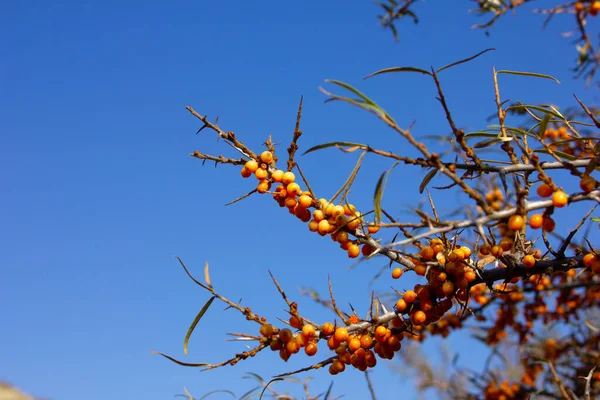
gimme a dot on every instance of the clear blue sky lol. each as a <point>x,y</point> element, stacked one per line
<point>99,192</point>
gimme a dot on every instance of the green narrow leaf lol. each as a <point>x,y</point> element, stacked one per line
<point>596,219</point>
<point>335,144</point>
<point>486,143</point>
<point>523,73</point>
<point>537,108</point>
<point>176,361</point>
<point>520,131</point>
<point>207,276</point>
<point>377,197</point>
<point>193,326</point>
<point>350,179</point>
<point>427,179</point>
<point>464,60</point>
<point>353,90</point>
<point>267,385</point>
<point>397,69</point>
<point>543,126</point>
<point>558,153</point>
<point>217,391</point>
<point>379,192</point>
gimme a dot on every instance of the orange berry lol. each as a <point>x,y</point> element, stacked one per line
<point>324,227</point>
<point>544,190</point>
<point>353,250</point>
<point>341,236</point>
<point>284,354</point>
<point>305,201</point>
<point>285,335</point>
<point>327,328</point>
<point>353,223</point>
<point>308,331</point>
<point>397,273</point>
<point>496,251</point>
<point>337,211</point>
<point>587,184</point>
<point>372,228</point>
<point>288,177</point>
<point>448,288</point>
<point>266,157</point>
<point>426,253</point>
<point>318,215</point>
<point>338,366</point>
<point>595,8</point>
<point>578,6</point>
<point>292,189</point>
<point>311,349</point>
<point>290,202</point>
<point>292,347</point>
<point>263,186</point>
<point>470,276</point>
<point>596,267</point>
<point>484,249</point>
<point>401,305</point>
<point>277,176</point>
<point>418,317</point>
<point>245,173</point>
<point>548,224</point>
<point>295,322</point>
<point>420,269</point>
<point>589,259</point>
<point>313,226</point>
<point>560,199</point>
<point>349,210</point>
<point>536,221</point>
<point>354,344</point>
<point>251,165</point>
<point>410,296</point>
<point>266,330</point>
<point>353,319</point>
<point>506,243</point>
<point>260,173</point>
<point>515,222</point>
<point>341,334</point>
<point>528,261</point>
<point>366,341</point>
<point>466,251</point>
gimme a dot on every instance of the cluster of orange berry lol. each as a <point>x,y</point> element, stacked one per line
<point>592,7</point>
<point>336,220</point>
<point>504,391</point>
<point>560,140</point>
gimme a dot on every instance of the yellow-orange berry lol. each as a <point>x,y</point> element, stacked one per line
<point>313,226</point>
<point>470,275</point>
<point>251,165</point>
<point>245,173</point>
<point>448,288</point>
<point>506,243</point>
<point>266,157</point>
<point>466,251</point>
<point>515,222</point>
<point>353,250</point>
<point>544,190</point>
<point>308,331</point>
<point>277,176</point>
<point>587,184</point>
<point>560,199</point>
<point>293,189</point>
<point>589,259</point>
<point>372,228</point>
<point>260,173</point>
<point>366,341</point>
<point>426,253</point>
<point>263,186</point>
<point>324,227</point>
<point>578,6</point>
<point>266,330</point>
<point>418,317</point>
<point>341,334</point>
<point>305,201</point>
<point>354,344</point>
<point>410,296</point>
<point>367,250</point>
<point>496,251</point>
<point>337,211</point>
<point>327,328</point>
<point>401,305</point>
<point>292,347</point>
<point>595,8</point>
<point>397,273</point>
<point>311,349</point>
<point>536,221</point>
<point>485,249</point>
<point>288,177</point>
<point>528,261</point>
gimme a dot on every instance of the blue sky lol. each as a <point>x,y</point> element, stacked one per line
<point>100,193</point>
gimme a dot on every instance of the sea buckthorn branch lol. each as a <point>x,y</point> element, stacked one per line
<point>293,145</point>
<point>458,133</point>
<point>498,215</point>
<point>218,160</point>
